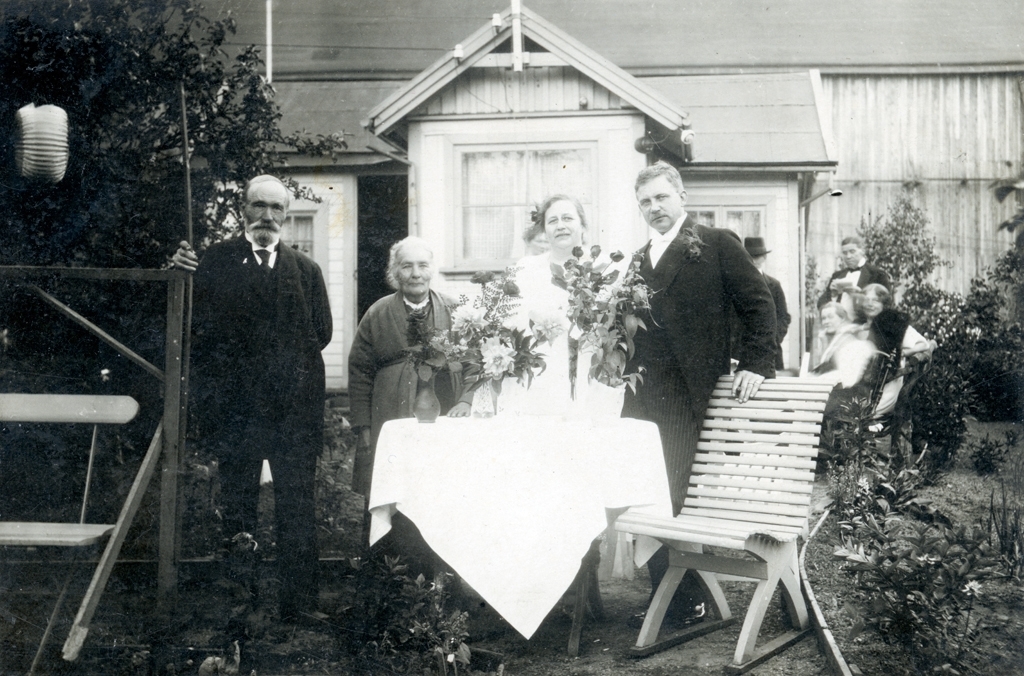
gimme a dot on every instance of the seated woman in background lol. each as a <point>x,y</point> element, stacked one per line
<point>889,330</point>
<point>837,332</point>
<point>867,366</point>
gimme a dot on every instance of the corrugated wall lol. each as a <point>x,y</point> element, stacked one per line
<point>944,138</point>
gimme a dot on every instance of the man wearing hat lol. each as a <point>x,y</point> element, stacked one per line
<point>757,250</point>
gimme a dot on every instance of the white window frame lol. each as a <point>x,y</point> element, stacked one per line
<point>458,150</point>
<point>721,203</point>
<point>312,214</point>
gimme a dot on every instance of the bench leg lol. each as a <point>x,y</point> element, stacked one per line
<point>778,557</point>
<point>659,606</point>
<point>793,597</point>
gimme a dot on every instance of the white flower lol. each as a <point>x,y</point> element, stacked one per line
<point>498,357</point>
<point>468,317</point>
<point>547,327</point>
<point>972,588</point>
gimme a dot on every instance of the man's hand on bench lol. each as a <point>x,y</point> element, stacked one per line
<point>745,385</point>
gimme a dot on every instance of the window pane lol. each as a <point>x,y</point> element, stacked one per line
<point>492,178</point>
<point>561,171</point>
<point>297,232</point>
<point>488,232</point>
<point>744,222</point>
<point>705,218</point>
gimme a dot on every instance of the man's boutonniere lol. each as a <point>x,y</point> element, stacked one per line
<point>692,244</point>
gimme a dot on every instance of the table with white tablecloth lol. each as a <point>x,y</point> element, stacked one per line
<point>512,503</point>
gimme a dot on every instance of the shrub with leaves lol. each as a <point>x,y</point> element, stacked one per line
<point>916,585</point>
<point>847,435</point>
<point>404,624</point>
<point>988,455</point>
<point>901,243</point>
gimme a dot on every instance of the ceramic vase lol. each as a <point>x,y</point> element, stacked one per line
<point>426,407</point>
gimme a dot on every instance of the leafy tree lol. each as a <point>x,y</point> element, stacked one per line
<point>900,243</point>
<point>116,67</point>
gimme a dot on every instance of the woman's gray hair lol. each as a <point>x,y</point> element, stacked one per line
<point>396,248</point>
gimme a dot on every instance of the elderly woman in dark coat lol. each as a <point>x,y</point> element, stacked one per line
<point>381,377</point>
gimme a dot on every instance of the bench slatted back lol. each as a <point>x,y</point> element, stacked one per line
<point>755,461</point>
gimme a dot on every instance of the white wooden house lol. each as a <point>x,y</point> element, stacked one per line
<point>480,143</point>
<point>922,96</point>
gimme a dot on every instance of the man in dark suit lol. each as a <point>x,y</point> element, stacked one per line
<point>261,319</point>
<point>856,273</point>
<point>698,276</point>
<point>759,254</point>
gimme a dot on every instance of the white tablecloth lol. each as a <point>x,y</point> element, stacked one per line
<point>513,503</point>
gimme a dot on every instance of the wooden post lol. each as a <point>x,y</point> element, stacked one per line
<point>167,571</point>
<point>517,36</point>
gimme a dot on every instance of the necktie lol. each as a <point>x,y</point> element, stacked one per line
<point>264,259</point>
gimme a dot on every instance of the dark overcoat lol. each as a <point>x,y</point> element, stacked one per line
<point>257,343</point>
<point>782,318</point>
<point>687,344</point>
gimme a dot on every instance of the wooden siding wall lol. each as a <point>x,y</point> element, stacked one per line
<point>482,91</point>
<point>944,138</point>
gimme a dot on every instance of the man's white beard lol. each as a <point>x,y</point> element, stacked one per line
<point>265,237</point>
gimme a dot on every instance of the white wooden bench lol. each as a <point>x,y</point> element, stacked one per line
<point>749,492</point>
<point>71,409</point>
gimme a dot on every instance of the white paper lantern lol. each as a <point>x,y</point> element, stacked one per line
<point>41,149</point>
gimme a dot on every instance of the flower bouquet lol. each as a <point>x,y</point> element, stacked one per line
<point>603,310</point>
<point>492,350</point>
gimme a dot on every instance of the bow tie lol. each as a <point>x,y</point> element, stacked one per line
<point>856,269</point>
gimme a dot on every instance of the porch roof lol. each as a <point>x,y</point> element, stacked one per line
<point>765,119</point>
<point>327,108</point>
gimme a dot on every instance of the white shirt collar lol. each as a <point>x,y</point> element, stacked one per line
<point>416,306</point>
<point>672,232</point>
<point>256,247</point>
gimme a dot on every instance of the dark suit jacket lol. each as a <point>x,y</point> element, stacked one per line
<point>258,337</point>
<point>693,306</point>
<point>869,274</point>
<point>782,317</point>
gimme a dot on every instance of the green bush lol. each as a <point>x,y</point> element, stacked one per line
<point>989,454</point>
<point>402,624</point>
<point>916,585</point>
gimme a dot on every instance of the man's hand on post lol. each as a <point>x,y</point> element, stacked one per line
<point>364,438</point>
<point>185,258</point>
<point>745,385</point>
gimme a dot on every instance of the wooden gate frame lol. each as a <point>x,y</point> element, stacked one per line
<point>174,415</point>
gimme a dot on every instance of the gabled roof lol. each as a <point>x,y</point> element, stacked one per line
<point>485,40</point>
<point>768,119</point>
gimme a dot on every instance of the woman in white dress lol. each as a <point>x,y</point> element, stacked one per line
<point>542,310</point>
